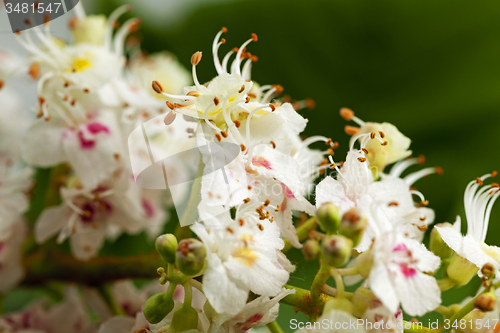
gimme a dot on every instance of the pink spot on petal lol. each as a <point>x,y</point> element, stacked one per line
<point>407,271</point>
<point>400,247</point>
<point>96,128</point>
<point>261,161</point>
<point>255,318</point>
<point>85,143</point>
<point>148,208</point>
<point>286,190</point>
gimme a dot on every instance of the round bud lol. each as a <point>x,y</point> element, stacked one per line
<point>362,299</point>
<point>338,304</point>
<point>485,302</point>
<point>336,250</point>
<point>191,257</point>
<point>166,246</point>
<point>185,318</point>
<point>328,218</point>
<point>311,249</point>
<point>437,244</point>
<point>353,225</point>
<point>364,263</point>
<point>461,270</point>
<point>488,270</point>
<point>158,307</point>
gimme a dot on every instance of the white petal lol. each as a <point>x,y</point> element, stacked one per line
<point>42,145</point>
<point>51,221</point>
<point>222,292</point>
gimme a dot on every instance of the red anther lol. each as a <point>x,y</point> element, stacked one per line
<point>439,170</point>
<point>347,114</point>
<point>224,29</point>
<point>254,37</point>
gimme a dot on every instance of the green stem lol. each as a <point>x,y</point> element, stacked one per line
<point>45,266</point>
<point>171,290</point>
<point>348,271</point>
<point>274,327</point>
<point>339,283</point>
<point>196,284</point>
<point>170,270</point>
<point>319,281</point>
<point>188,294</point>
<point>302,301</point>
<point>302,232</point>
<point>106,294</point>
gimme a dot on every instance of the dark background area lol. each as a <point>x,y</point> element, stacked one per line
<point>429,67</point>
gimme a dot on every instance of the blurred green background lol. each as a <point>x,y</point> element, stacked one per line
<point>430,67</point>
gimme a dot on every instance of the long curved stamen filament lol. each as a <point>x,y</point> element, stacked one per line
<point>122,33</point>
<point>113,17</point>
<point>334,165</point>
<point>402,165</point>
<point>237,62</point>
<point>268,94</point>
<point>492,198</point>
<point>247,67</point>
<point>226,60</point>
<point>412,178</point>
<point>215,48</point>
<point>418,194</point>
<point>49,44</point>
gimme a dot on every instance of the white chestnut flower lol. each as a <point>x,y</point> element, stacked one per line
<point>396,148</point>
<point>478,202</point>
<point>333,321</point>
<point>88,216</point>
<point>242,256</point>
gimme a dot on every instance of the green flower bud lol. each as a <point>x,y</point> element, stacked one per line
<point>158,307</point>
<point>461,270</point>
<point>364,263</point>
<point>437,244</point>
<point>328,218</point>
<point>191,257</point>
<point>341,304</point>
<point>336,250</point>
<point>485,302</point>
<point>362,299</point>
<point>311,249</point>
<point>353,225</point>
<point>185,318</point>
<point>166,246</point>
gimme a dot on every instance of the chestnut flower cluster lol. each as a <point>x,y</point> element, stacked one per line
<point>226,271</point>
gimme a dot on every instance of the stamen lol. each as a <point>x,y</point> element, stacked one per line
<point>274,144</point>
<point>413,177</point>
<point>215,49</point>
<point>216,101</point>
<point>195,60</point>
<point>235,67</point>
<point>169,118</point>
<point>351,130</point>
<point>34,70</point>
<point>237,123</point>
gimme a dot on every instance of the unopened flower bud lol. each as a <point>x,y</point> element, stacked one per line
<point>364,263</point>
<point>485,302</point>
<point>336,250</point>
<point>185,318</point>
<point>191,256</point>
<point>166,245</point>
<point>339,304</point>
<point>158,307</point>
<point>461,270</point>
<point>311,249</point>
<point>437,244</point>
<point>352,225</point>
<point>362,299</point>
<point>488,270</point>
<point>328,218</point>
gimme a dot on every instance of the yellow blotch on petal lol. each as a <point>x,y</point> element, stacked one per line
<point>245,256</point>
